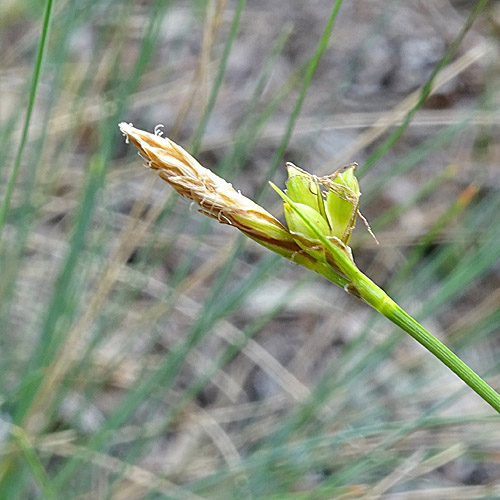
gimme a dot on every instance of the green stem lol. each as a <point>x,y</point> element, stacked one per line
<point>310,70</point>
<point>380,301</point>
<point>36,466</point>
<point>195,146</point>
<point>427,88</point>
<point>4,208</point>
<point>373,295</point>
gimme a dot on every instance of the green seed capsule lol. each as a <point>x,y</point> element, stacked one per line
<point>303,188</point>
<point>301,232</point>
<point>342,203</point>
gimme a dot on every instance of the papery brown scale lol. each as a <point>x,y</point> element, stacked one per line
<point>216,197</point>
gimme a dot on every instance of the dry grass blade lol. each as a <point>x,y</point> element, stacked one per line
<point>378,128</point>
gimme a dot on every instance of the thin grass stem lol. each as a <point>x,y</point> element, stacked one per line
<point>195,146</point>
<point>309,73</point>
<point>4,208</point>
<point>426,89</point>
<point>373,295</point>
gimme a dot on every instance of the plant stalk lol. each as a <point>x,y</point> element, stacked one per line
<point>380,301</point>
<point>361,286</point>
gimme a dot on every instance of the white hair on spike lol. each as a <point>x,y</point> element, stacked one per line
<point>147,161</point>
<point>126,135</point>
<point>223,219</point>
<point>158,130</point>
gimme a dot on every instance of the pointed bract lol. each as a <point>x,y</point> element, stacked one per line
<point>303,188</point>
<point>342,203</point>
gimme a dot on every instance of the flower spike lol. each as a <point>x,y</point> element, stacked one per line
<point>321,213</point>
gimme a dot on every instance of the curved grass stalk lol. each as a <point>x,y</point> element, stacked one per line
<point>361,286</point>
<point>322,249</point>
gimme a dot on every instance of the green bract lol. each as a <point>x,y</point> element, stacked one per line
<point>302,234</point>
<point>330,202</point>
<point>342,204</point>
<point>303,189</point>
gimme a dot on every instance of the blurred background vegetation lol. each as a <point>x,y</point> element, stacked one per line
<point>149,353</point>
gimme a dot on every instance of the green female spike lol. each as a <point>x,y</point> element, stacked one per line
<point>302,187</point>
<point>342,202</point>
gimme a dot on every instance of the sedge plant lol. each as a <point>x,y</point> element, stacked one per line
<point>320,212</point>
